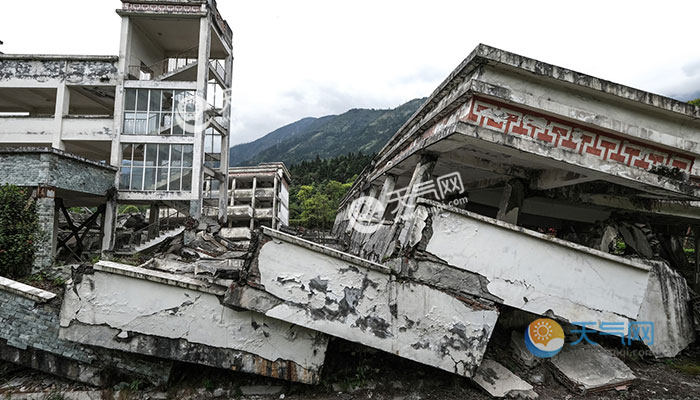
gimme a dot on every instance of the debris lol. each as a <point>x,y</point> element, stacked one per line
<point>586,368</point>
<point>520,352</point>
<point>498,381</point>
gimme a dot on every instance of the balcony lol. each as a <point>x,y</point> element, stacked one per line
<point>263,193</point>
<point>245,211</point>
<point>27,130</point>
<point>263,213</point>
<point>88,128</point>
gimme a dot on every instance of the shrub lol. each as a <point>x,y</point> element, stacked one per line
<point>19,231</point>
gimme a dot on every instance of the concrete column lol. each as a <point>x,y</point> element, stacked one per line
<point>232,199</point>
<point>274,203</point>
<point>225,143</point>
<point>48,223</point>
<point>124,50</point>
<point>511,202</point>
<point>62,109</point>
<point>387,188</point>
<point>421,173</point>
<point>153,221</point>
<point>109,225</point>
<point>200,126</point>
<point>252,203</point>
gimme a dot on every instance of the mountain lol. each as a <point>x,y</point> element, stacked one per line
<point>363,130</point>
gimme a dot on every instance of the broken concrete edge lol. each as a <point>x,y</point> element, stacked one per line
<point>325,250</point>
<point>157,277</point>
<point>30,292</point>
<point>645,265</point>
<point>499,381</point>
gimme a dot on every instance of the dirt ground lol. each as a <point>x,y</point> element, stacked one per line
<point>354,372</point>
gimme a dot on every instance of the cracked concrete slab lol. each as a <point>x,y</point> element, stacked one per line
<point>587,368</point>
<point>537,273</point>
<point>351,298</point>
<point>112,310</point>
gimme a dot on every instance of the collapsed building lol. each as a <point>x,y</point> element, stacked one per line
<point>518,188</point>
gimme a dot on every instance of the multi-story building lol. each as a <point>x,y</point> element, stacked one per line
<point>157,111</point>
<point>257,196</point>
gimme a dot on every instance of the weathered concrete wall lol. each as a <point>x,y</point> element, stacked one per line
<point>52,168</point>
<point>46,245</point>
<point>666,304</point>
<point>158,319</point>
<point>46,70</point>
<point>534,272</point>
<point>344,296</point>
<point>29,337</point>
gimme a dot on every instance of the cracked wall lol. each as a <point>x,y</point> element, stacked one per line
<point>149,318</point>
<point>363,302</point>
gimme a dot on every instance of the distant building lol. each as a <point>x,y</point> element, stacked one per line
<point>258,196</point>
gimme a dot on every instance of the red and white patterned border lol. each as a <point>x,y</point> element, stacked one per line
<point>162,8</point>
<point>566,136</point>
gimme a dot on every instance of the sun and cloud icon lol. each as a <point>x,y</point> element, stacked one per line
<point>544,338</point>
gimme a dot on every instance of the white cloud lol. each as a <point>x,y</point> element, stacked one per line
<point>311,57</point>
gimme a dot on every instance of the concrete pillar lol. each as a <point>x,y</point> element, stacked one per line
<point>109,225</point>
<point>511,202</point>
<point>275,187</point>
<point>153,221</point>
<point>252,203</point>
<point>48,223</point>
<point>200,126</point>
<point>225,143</point>
<point>421,173</point>
<point>62,109</point>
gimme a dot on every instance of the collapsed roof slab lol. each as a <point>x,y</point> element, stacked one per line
<point>548,276</point>
<point>159,314</point>
<point>344,296</point>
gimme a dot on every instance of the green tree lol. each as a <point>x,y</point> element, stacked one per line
<point>19,231</point>
<point>695,102</point>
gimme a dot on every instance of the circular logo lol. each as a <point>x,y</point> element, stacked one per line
<point>363,214</point>
<point>544,338</point>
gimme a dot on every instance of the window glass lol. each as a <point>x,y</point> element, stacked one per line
<point>149,182</point>
<point>137,179</point>
<point>162,179</point>
<point>151,155</point>
<point>163,155</point>
<point>153,123</point>
<point>142,100</point>
<point>167,101</point>
<point>176,155</point>
<point>166,122</point>
<point>138,155</point>
<point>187,179</point>
<point>175,176</point>
<point>187,155</point>
<point>125,178</point>
<point>130,100</point>
<point>154,104</point>
<point>140,127</point>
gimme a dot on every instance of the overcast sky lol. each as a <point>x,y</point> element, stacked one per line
<point>312,58</point>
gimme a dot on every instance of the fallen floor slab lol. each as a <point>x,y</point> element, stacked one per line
<point>587,368</point>
<point>499,381</point>
<point>168,316</point>
<point>307,284</point>
<point>532,271</point>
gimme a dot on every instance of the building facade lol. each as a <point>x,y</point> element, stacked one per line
<point>257,196</point>
<point>158,111</point>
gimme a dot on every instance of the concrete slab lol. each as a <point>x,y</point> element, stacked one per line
<point>586,368</point>
<point>499,381</point>
<point>117,308</point>
<point>535,272</point>
<point>332,292</point>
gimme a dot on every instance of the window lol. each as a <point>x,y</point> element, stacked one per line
<point>164,167</point>
<point>154,111</point>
